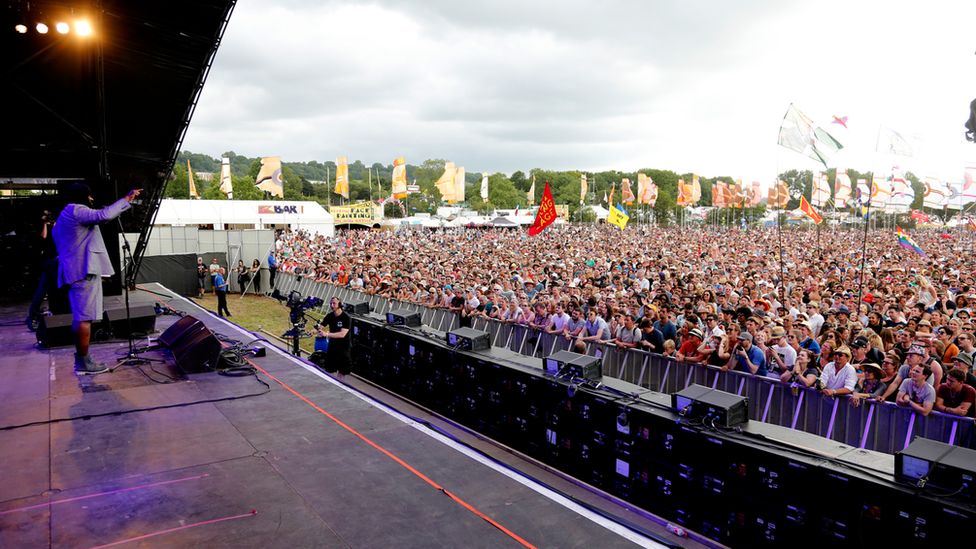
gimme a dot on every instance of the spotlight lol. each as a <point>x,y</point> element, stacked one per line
<point>62,27</point>
<point>41,28</point>
<point>83,28</point>
<point>21,28</point>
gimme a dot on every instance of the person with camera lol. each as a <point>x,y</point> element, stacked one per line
<point>335,328</point>
<point>746,357</point>
<point>48,264</point>
<point>83,261</point>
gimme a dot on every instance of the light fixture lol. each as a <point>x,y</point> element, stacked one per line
<point>21,28</point>
<point>62,27</point>
<point>41,28</point>
<point>83,28</point>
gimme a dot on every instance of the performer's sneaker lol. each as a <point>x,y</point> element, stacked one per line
<point>86,366</point>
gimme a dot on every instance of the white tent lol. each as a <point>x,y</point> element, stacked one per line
<point>246,214</point>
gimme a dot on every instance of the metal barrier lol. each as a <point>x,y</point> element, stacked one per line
<point>883,427</point>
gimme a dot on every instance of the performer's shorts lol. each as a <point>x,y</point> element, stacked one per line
<point>86,299</point>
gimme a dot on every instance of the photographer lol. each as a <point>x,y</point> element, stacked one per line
<point>337,322</point>
<point>48,264</point>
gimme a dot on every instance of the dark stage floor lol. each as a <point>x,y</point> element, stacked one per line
<point>121,459</point>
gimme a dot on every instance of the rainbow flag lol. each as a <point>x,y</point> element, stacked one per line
<point>906,242</point>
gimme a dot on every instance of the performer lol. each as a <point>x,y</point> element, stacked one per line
<point>338,323</point>
<point>83,261</point>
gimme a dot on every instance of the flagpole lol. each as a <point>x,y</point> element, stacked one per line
<point>864,251</point>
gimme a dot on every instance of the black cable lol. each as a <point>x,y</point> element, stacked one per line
<point>149,409</point>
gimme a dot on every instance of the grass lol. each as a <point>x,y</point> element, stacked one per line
<point>255,313</point>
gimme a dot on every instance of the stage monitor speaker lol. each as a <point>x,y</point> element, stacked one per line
<point>356,306</point>
<point>402,317</point>
<point>173,332</point>
<point>195,348</point>
<point>142,319</point>
<point>55,331</point>
<point>469,339</point>
<point>700,402</point>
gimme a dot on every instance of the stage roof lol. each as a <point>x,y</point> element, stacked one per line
<point>155,59</point>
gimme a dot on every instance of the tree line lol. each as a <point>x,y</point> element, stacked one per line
<point>314,180</point>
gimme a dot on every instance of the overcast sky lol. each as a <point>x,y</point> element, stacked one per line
<point>512,85</point>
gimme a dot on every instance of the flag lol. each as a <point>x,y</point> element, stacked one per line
<point>880,192</point>
<point>398,181</point>
<point>546,213</point>
<point>531,193</point>
<point>892,142</point>
<point>618,216</point>
<point>605,197</point>
<point>755,195</point>
<point>342,177</point>
<point>737,195</point>
<point>583,187</point>
<point>906,242</point>
<point>820,193</point>
<point>920,216</point>
<point>644,183</point>
<point>719,188</point>
<point>902,193</point>
<point>842,188</point>
<point>806,208</point>
<point>695,189</point>
<point>613,187</point>
<point>226,185</point>
<point>798,133</point>
<point>971,223</point>
<point>628,195</point>
<point>936,193</point>
<point>445,184</point>
<point>484,187</point>
<point>684,193</point>
<point>651,192</point>
<point>269,178</point>
<point>779,195</point>
<point>459,184</point>
<point>189,176</point>
<point>516,210</point>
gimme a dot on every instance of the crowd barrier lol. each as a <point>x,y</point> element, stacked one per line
<point>879,426</point>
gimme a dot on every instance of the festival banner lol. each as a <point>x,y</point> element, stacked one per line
<point>342,177</point>
<point>360,213</point>
<point>484,187</point>
<point>398,181</point>
<point>695,189</point>
<point>445,184</point>
<point>820,193</point>
<point>842,188</point>
<point>720,191</point>
<point>684,193</point>
<point>562,211</point>
<point>583,187</point>
<point>628,195</point>
<point>459,184</point>
<point>880,192</point>
<point>531,193</point>
<point>936,193</point>
<point>269,178</point>
<point>193,186</point>
<point>226,185</point>
<point>546,213</point>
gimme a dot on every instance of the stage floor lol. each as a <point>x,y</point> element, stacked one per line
<point>215,461</point>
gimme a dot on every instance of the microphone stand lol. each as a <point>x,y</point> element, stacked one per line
<point>131,358</point>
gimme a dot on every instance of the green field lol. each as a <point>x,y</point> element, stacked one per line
<point>256,313</point>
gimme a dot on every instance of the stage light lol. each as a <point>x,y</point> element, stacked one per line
<point>41,28</point>
<point>83,28</point>
<point>21,28</point>
<point>62,27</point>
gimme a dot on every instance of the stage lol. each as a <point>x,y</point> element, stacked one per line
<point>287,458</point>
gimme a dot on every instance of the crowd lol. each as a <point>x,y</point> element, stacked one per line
<point>717,296</point>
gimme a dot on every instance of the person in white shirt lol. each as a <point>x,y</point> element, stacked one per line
<point>781,354</point>
<point>839,377</point>
<point>558,321</point>
<point>815,319</point>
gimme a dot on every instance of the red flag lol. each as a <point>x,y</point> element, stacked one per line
<point>921,217</point>
<point>546,214</point>
<point>806,208</point>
